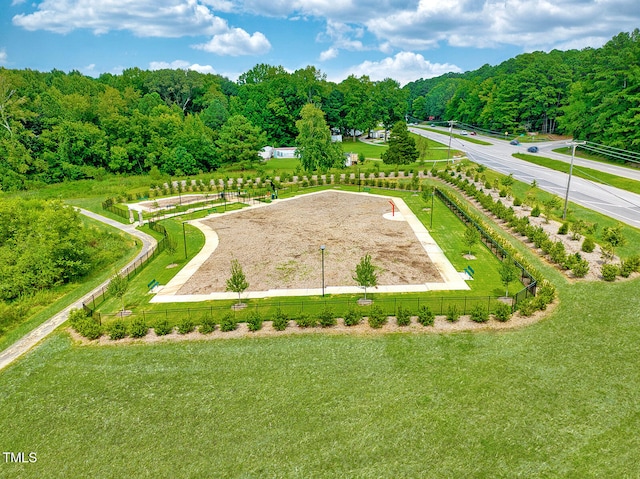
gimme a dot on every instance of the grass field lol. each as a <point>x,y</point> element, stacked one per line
<point>558,399</point>
<point>586,173</point>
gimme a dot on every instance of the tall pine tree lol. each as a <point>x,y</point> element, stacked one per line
<point>402,148</point>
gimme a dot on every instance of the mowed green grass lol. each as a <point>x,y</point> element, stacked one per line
<point>557,399</point>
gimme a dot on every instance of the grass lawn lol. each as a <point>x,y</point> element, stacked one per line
<point>557,399</point>
<point>586,173</point>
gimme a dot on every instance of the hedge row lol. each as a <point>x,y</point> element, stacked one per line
<point>137,328</point>
<point>546,292</point>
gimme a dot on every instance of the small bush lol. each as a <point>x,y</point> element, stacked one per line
<point>580,268</point>
<point>117,330</point>
<point>426,316</point>
<point>517,201</point>
<point>280,320</point>
<point>162,327</point>
<point>85,325</point>
<point>610,271</point>
<point>588,245</point>
<point>502,312</point>
<point>185,326</point>
<point>254,321</point>
<point>535,212</point>
<point>228,323</point>
<point>352,317</point>
<point>207,324</point>
<point>479,314</point>
<point>138,328</point>
<point>306,321</point>
<point>453,313</point>
<point>327,318</point>
<point>564,229</point>
<point>527,307</point>
<point>376,318</point>
<point>630,265</point>
<point>403,317</point>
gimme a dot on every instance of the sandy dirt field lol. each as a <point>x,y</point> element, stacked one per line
<point>278,246</point>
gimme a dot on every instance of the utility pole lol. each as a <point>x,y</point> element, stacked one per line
<point>573,155</point>
<point>451,123</point>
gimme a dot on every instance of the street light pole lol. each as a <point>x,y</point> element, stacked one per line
<point>573,154</point>
<point>184,238</point>
<point>433,193</point>
<point>322,247</point>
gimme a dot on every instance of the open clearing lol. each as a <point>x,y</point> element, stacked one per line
<point>278,247</point>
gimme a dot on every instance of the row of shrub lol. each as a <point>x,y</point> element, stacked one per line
<point>554,250</point>
<point>88,327</point>
<point>545,291</point>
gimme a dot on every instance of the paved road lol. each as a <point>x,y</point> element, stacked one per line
<point>619,204</point>
<point>26,343</point>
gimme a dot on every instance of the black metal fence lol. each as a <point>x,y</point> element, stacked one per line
<point>526,277</point>
<point>439,305</point>
<point>110,205</point>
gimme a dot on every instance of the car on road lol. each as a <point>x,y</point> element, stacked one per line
<point>473,133</point>
<point>464,132</point>
<point>532,149</point>
<point>514,142</point>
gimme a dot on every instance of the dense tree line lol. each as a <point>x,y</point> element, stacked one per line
<point>592,94</point>
<point>44,244</point>
<point>56,126</point>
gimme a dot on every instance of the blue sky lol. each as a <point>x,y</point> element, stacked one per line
<point>401,39</point>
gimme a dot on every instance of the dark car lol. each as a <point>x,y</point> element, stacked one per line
<point>532,149</point>
<point>514,142</point>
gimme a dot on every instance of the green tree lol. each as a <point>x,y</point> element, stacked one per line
<point>612,237</point>
<point>508,274</point>
<point>314,147</point>
<point>118,287</point>
<point>471,237</point>
<point>402,147</point>
<point>366,274</point>
<point>237,282</point>
<point>239,141</point>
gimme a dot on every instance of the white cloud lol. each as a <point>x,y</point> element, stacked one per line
<point>403,67</point>
<point>3,56</point>
<point>329,54</point>
<point>89,70</point>
<point>181,65</point>
<point>145,18</point>
<point>236,42</point>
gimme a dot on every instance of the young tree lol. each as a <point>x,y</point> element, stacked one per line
<point>366,274</point>
<point>402,148</point>
<point>238,281</point>
<point>118,287</point>
<point>315,149</point>
<point>471,237</point>
<point>508,274</point>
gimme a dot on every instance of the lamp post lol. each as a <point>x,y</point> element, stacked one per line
<point>184,238</point>
<point>573,154</point>
<point>322,248</point>
<point>433,193</point>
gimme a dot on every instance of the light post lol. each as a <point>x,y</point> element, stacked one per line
<point>322,247</point>
<point>184,238</point>
<point>573,154</point>
<point>433,193</point>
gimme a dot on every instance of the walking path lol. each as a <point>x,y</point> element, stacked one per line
<point>26,343</point>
